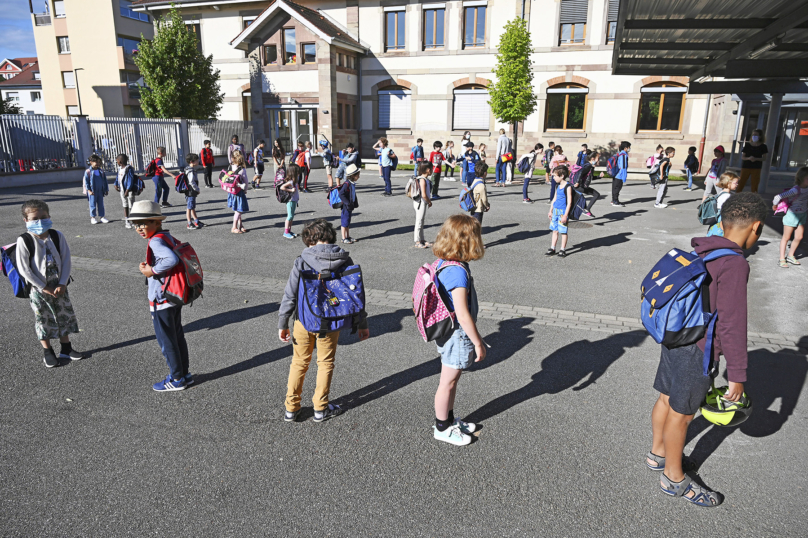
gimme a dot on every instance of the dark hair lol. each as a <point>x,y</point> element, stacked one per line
<point>592,154</point>
<point>624,144</point>
<point>424,168</point>
<point>550,144</point>
<point>760,133</point>
<point>558,149</point>
<point>692,148</point>
<point>562,171</point>
<point>234,136</point>
<point>191,158</point>
<point>584,146</point>
<point>480,168</point>
<point>318,230</point>
<point>801,174</point>
<point>96,159</point>
<point>537,147</point>
<point>421,140</point>
<point>292,172</point>
<point>470,145</point>
<point>742,209</point>
<point>349,145</point>
<point>205,142</point>
<point>659,147</point>
<point>123,158</point>
<point>261,142</point>
<point>669,150</point>
<point>437,144</point>
<point>277,151</point>
<point>34,205</point>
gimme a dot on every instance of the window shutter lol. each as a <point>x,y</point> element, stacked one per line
<point>395,109</point>
<point>614,6</point>
<point>574,11</point>
<point>471,110</point>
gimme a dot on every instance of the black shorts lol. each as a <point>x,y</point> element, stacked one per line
<point>259,169</point>
<point>680,376</point>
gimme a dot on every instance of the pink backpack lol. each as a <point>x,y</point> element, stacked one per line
<point>432,315</point>
<point>649,162</point>
<point>230,181</point>
<point>785,203</point>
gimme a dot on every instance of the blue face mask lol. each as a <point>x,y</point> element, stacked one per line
<point>39,227</point>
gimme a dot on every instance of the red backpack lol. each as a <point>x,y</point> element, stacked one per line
<point>183,283</point>
<point>151,169</point>
<point>300,160</point>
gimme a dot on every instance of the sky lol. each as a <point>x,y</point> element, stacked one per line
<point>16,32</point>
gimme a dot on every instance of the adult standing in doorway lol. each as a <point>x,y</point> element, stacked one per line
<point>753,155</point>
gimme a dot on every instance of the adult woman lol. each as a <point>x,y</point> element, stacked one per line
<point>278,155</point>
<point>753,155</point>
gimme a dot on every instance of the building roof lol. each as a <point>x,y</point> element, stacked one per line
<point>24,77</point>
<point>741,39</point>
<point>19,63</point>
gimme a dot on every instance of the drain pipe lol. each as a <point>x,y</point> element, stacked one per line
<point>523,9</point>
<point>738,120</point>
<point>359,119</point>
<point>704,132</point>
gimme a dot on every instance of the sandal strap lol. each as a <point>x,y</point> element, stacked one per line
<point>678,488</point>
<point>658,459</point>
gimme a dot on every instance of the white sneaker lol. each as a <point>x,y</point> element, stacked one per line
<point>104,220</point>
<point>128,225</point>
<point>661,206</point>
<point>452,435</point>
<point>93,221</point>
<point>465,427</point>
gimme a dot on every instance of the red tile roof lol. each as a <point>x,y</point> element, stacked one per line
<point>26,76</point>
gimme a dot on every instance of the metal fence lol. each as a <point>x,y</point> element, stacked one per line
<point>137,138</point>
<point>219,132</point>
<point>30,143</point>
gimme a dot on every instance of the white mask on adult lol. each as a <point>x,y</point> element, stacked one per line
<point>468,136</point>
<point>755,138</point>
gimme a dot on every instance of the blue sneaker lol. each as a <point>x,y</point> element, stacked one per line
<point>169,384</point>
<point>328,412</point>
<point>189,379</point>
<point>291,416</point>
<point>288,235</point>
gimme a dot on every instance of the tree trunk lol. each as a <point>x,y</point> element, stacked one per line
<point>515,140</point>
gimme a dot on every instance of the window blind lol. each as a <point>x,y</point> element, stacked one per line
<point>471,110</point>
<point>395,109</point>
<point>574,11</point>
<point>614,6</point>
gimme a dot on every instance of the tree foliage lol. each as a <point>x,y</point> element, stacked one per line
<point>511,94</point>
<point>180,81</point>
<point>7,106</point>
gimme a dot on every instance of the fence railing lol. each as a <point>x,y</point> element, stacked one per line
<point>137,138</point>
<point>37,143</point>
<point>219,132</point>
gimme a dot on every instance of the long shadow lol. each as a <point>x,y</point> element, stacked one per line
<point>617,216</point>
<point>255,362</point>
<point>492,229</point>
<point>771,377</point>
<point>608,241</point>
<point>49,199</point>
<point>511,336</point>
<point>517,236</point>
<point>576,365</point>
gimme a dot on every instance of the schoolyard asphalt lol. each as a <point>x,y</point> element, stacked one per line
<point>564,397</point>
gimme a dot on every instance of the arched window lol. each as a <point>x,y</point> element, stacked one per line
<point>395,108</point>
<point>471,110</point>
<point>662,106</point>
<point>566,107</point>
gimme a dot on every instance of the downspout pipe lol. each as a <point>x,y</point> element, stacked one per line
<point>523,9</point>
<point>359,119</point>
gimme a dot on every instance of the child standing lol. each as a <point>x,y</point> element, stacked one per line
<point>193,191</point>
<point>124,183</point>
<point>206,160</point>
<point>479,192</point>
<point>238,202</point>
<point>622,173</point>
<point>560,210</point>
<point>459,240</point>
<point>691,166</point>
<point>349,157</point>
<point>386,165</point>
<point>418,152</point>
<point>661,177</point>
<point>43,260</point>
<point>160,185</point>
<point>436,158</point>
<point>481,151</point>
<point>292,186</point>
<point>469,160</point>
<point>347,194</point>
<point>795,217</point>
<point>278,155</point>
<point>532,157</point>
<point>306,166</point>
<point>327,155</point>
<point>95,183</point>
<point>728,183</point>
<point>717,167</point>
<point>449,159</point>
<point>680,378</point>
<point>147,218</point>
<point>581,159</point>
<point>548,158</point>
<point>658,155</point>
<point>558,159</point>
<point>233,147</point>
<point>320,254</point>
<point>584,180</point>
<point>258,164</point>
<point>422,203</point>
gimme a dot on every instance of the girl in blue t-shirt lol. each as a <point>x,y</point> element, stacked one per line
<point>459,240</point>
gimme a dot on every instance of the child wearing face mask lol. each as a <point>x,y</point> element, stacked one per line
<point>43,260</point>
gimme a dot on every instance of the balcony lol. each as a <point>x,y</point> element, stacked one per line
<point>126,59</point>
<point>42,19</point>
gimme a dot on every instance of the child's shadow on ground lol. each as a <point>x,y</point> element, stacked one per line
<point>772,377</point>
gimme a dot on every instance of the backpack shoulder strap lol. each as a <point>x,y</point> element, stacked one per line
<point>29,244</point>
<point>54,235</point>
<point>720,253</point>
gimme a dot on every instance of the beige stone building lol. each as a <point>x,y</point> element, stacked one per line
<point>409,69</point>
<point>85,50</point>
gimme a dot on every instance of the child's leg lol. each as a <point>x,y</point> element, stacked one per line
<point>158,189</point>
<point>787,231</point>
<point>303,347</point>
<point>447,389</point>
<point>326,351</point>
<point>674,434</point>
<point>524,187</point>
<point>797,238</point>
<point>344,232</point>
<point>563,241</point>
<point>188,215</point>
<point>659,414</point>
<point>689,179</point>
<point>91,199</point>
<point>236,219</point>
<point>662,189</point>
<point>193,215</point>
<point>170,337</point>
<point>554,240</point>
<point>165,190</point>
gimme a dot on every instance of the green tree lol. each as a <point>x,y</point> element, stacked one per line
<point>7,106</point>
<point>180,81</point>
<point>512,98</point>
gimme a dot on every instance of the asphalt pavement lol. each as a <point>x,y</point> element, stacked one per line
<point>88,449</point>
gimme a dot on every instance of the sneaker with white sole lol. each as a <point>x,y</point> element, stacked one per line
<point>452,435</point>
<point>466,427</point>
<point>50,358</point>
<point>290,416</point>
<point>329,412</point>
<point>660,206</point>
<point>128,225</point>
<point>189,379</point>
<point>168,384</point>
<point>104,220</point>
<point>93,221</point>
<point>73,355</point>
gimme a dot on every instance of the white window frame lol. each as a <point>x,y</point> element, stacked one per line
<point>56,11</point>
<point>75,109</point>
<point>65,50</point>
<point>250,19</point>
<point>36,96</point>
<point>483,123</point>
<point>13,96</point>
<point>37,75</point>
<point>64,81</point>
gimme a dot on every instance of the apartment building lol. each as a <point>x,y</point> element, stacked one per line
<point>85,50</point>
<point>20,82</point>
<point>406,69</point>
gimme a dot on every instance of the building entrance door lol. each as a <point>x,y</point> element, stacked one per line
<point>293,125</point>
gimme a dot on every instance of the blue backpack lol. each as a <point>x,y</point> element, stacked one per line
<point>181,183</point>
<point>467,197</point>
<point>524,165</point>
<point>394,162</point>
<point>19,285</point>
<point>578,204</point>
<point>675,308</point>
<point>611,167</point>
<point>333,198</point>
<point>330,301</point>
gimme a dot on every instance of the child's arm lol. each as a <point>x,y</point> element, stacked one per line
<point>731,327</point>
<point>566,214</point>
<point>24,267</point>
<point>288,303</point>
<point>460,299</point>
<point>552,204</point>
<point>791,193</point>
<point>67,264</point>
<point>288,187</point>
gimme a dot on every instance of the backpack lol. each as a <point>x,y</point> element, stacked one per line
<point>280,178</point>
<point>649,162</point>
<point>183,283</point>
<point>151,169</point>
<point>393,161</point>
<point>433,317</point>
<point>137,184</point>
<point>574,169</point>
<point>329,301</point>
<point>611,166</point>
<point>333,198</point>
<point>413,189</point>
<point>524,165</point>
<point>19,285</point>
<point>675,300</point>
<point>467,202</point>
<point>784,204</point>
<point>230,180</point>
<point>249,160</point>
<point>578,204</point>
<point>181,183</point>
<point>331,159</point>
<point>708,213</point>
<point>300,159</point>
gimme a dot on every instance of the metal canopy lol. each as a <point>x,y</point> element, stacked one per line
<point>720,38</point>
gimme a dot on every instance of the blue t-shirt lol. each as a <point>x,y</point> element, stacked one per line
<point>385,154</point>
<point>561,198</point>
<point>450,278</point>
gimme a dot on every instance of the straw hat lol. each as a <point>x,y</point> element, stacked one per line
<point>351,170</point>
<point>145,210</point>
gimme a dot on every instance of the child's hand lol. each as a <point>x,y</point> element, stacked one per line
<point>60,290</point>
<point>563,219</point>
<point>550,215</point>
<point>480,351</point>
<point>284,335</point>
<point>734,392</point>
<point>364,334</point>
<point>90,193</point>
<point>49,290</point>
<point>117,188</point>
<point>146,269</point>
<point>774,208</point>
